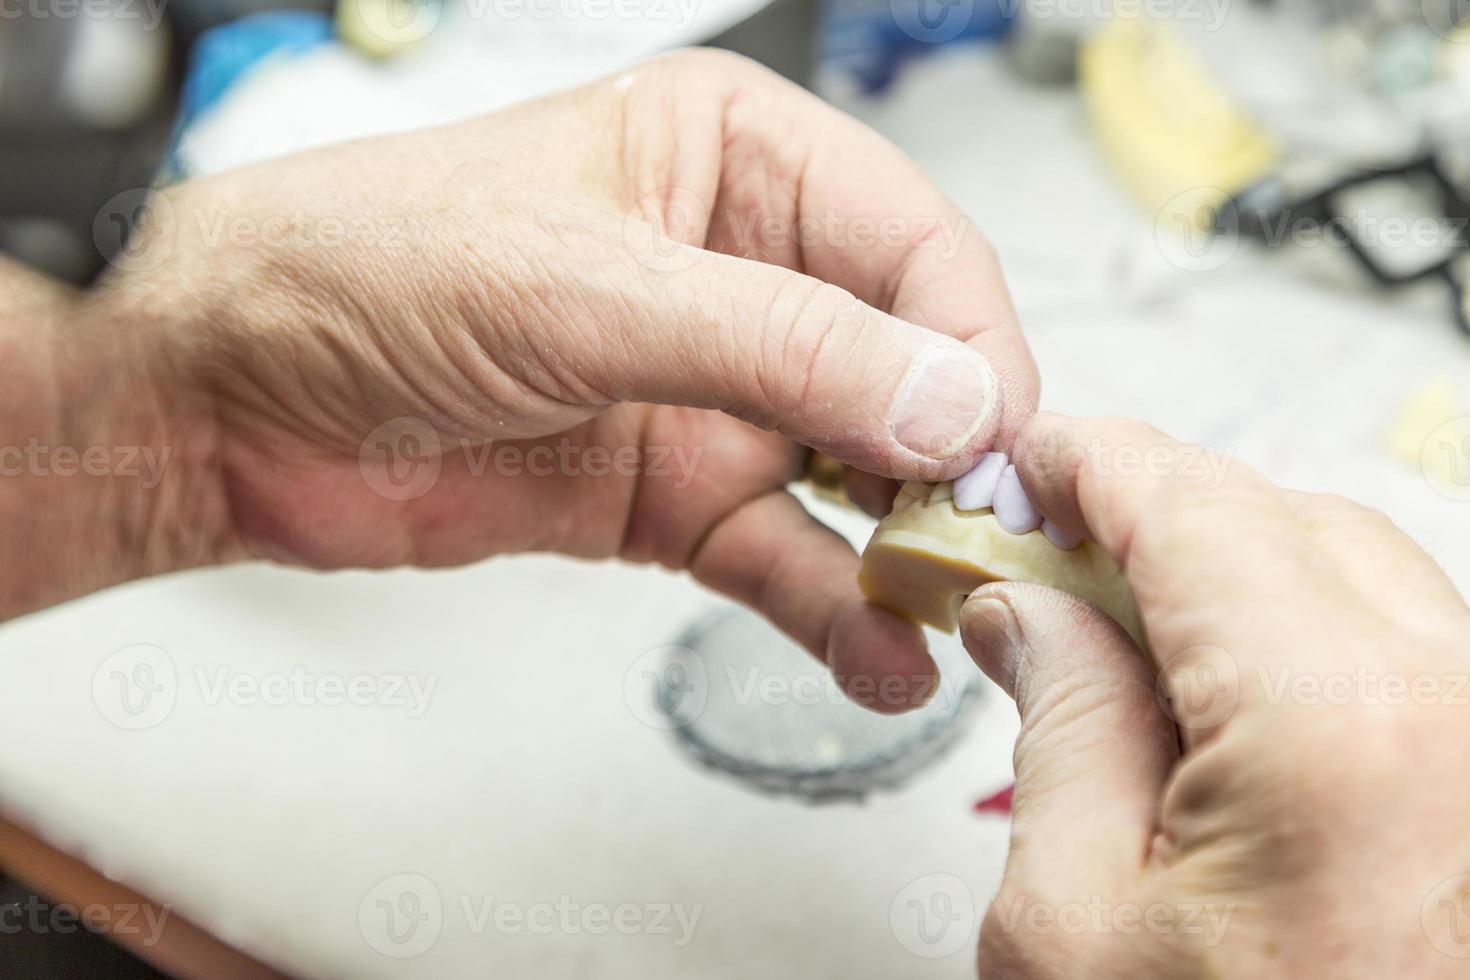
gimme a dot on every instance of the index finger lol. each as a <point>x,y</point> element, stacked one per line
<point>797,183</point>
<point>870,221</point>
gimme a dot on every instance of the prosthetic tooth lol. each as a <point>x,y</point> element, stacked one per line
<point>1060,537</point>
<point>1013,509</point>
<point>976,489</point>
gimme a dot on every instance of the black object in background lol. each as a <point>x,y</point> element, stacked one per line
<point>29,953</point>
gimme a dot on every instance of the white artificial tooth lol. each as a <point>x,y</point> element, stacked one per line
<point>975,490</point>
<point>1060,537</point>
<point>1013,509</point>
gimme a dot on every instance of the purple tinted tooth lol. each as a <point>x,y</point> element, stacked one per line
<point>976,489</point>
<point>1060,537</point>
<point>1013,509</point>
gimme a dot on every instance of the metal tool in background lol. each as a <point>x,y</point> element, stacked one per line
<point>1262,211</point>
<point>1189,154</point>
<point>742,698</point>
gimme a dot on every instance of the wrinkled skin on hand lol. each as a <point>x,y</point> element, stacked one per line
<point>694,266</point>
<point>1277,802</point>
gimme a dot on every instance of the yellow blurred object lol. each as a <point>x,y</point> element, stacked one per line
<point>384,28</point>
<point>1430,431</point>
<point>1175,138</point>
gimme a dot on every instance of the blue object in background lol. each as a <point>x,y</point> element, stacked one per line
<point>872,39</point>
<point>226,53</point>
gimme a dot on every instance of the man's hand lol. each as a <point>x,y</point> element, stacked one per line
<point>1299,811</point>
<point>608,323</point>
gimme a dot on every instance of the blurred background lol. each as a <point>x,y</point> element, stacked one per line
<point>1241,221</point>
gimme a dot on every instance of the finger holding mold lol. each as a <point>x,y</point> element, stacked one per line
<point>931,552</point>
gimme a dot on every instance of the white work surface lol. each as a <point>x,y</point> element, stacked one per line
<point>529,778</point>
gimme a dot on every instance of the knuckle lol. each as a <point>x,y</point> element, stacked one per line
<point>1329,510</point>
<point>1045,454</point>
<point>1125,431</point>
<point>713,63</point>
<point>669,88</point>
<point>1183,501</point>
<point>809,324</point>
<point>1174,512</point>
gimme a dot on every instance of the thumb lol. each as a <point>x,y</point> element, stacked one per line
<point>792,353</point>
<point>1095,746</point>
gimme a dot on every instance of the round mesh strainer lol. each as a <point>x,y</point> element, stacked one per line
<point>743,698</point>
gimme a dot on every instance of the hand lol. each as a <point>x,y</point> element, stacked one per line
<point>1299,810</point>
<point>557,311</point>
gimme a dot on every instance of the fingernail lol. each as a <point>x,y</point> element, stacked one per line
<point>1059,536</point>
<point>943,402</point>
<point>996,614</point>
<point>976,489</point>
<point>1013,509</point>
